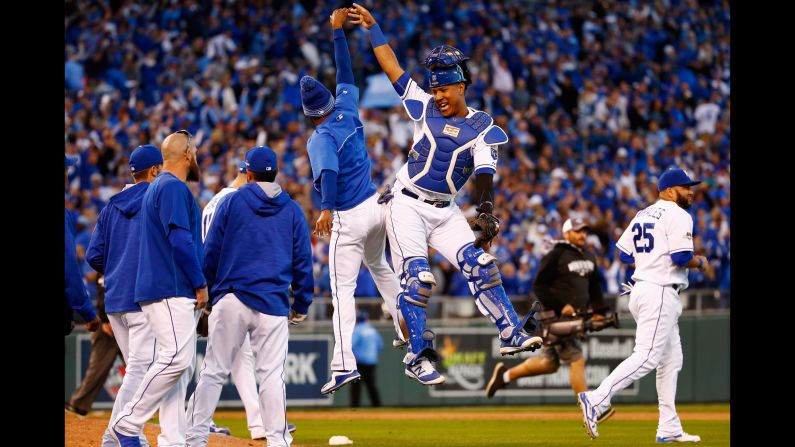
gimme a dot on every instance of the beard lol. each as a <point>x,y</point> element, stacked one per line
<point>193,172</point>
<point>683,202</point>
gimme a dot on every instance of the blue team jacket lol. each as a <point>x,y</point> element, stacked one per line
<point>74,289</point>
<point>115,246</point>
<point>257,247</point>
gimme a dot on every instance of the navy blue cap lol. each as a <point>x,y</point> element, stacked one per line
<point>446,76</point>
<point>260,159</point>
<point>675,177</point>
<point>316,100</point>
<point>241,167</point>
<point>69,161</point>
<point>144,157</point>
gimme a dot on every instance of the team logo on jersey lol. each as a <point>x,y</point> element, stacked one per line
<point>493,152</point>
<point>689,235</point>
<point>582,268</point>
<point>451,130</point>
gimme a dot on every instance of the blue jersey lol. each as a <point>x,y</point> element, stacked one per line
<point>338,145</point>
<point>75,291</point>
<point>167,204</point>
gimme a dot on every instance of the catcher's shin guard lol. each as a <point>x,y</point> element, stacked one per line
<point>485,282</point>
<point>417,282</point>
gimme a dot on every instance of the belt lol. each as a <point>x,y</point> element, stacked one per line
<point>436,203</point>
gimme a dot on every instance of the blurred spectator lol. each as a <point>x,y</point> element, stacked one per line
<point>366,345</point>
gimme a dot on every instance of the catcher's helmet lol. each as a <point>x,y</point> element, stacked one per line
<point>444,55</point>
<point>447,65</point>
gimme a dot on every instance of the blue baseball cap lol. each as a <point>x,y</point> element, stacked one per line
<point>241,167</point>
<point>144,157</point>
<point>260,159</point>
<point>69,161</point>
<point>675,177</point>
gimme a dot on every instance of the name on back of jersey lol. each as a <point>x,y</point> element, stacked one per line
<point>652,211</point>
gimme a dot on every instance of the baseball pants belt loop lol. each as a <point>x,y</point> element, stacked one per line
<point>436,203</point>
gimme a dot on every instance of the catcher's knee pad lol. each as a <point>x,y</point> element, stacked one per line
<point>485,282</point>
<point>417,281</point>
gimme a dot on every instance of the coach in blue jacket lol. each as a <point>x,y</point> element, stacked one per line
<point>114,251</point>
<point>257,247</point>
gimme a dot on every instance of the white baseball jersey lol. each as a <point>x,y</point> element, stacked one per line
<point>209,209</point>
<point>653,235</point>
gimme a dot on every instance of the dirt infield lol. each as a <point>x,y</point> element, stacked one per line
<point>87,432</point>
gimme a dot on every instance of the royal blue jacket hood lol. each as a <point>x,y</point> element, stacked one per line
<point>257,247</point>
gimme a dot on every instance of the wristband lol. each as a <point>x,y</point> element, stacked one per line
<point>376,36</point>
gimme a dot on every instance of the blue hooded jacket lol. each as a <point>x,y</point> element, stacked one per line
<point>75,291</point>
<point>114,247</point>
<point>257,247</point>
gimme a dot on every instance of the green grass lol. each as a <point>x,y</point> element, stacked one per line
<point>405,431</point>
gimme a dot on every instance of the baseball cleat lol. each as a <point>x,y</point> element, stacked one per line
<point>588,416</point>
<point>520,341</point>
<point>219,430</point>
<point>606,415</point>
<point>422,370</point>
<point>126,441</point>
<point>80,413</point>
<point>682,437</point>
<point>338,380</point>
<point>496,381</point>
<point>261,437</point>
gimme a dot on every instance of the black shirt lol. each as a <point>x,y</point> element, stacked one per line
<point>568,275</point>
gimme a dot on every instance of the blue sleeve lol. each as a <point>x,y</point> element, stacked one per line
<point>185,255</point>
<point>626,258</point>
<point>303,283</point>
<point>328,189</point>
<point>322,155</point>
<point>214,242</point>
<point>342,57</point>
<point>681,258</point>
<point>401,84</point>
<point>95,254</point>
<point>174,202</point>
<point>76,294</point>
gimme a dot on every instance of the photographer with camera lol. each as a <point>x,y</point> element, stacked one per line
<point>567,283</point>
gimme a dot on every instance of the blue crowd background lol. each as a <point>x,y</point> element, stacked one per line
<point>598,99</point>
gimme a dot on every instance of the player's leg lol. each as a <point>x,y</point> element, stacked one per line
<point>667,375</point>
<point>547,363</point>
<point>173,323</point>
<point>246,384</point>
<point>269,342</point>
<point>655,310</point>
<point>407,231</point>
<point>386,280</point>
<point>345,260</point>
<point>173,422</point>
<point>137,344</point>
<point>227,327</point>
<point>453,239</point>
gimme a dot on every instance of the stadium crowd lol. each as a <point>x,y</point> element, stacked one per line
<point>597,99</point>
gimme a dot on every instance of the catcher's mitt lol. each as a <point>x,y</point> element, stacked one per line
<point>488,225</point>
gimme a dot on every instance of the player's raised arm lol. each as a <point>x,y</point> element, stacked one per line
<point>342,56</point>
<point>383,52</point>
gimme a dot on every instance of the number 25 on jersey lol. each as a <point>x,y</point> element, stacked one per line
<point>643,233</point>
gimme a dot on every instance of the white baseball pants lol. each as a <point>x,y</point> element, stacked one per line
<point>656,309</point>
<point>229,323</point>
<point>246,384</point>
<point>173,323</point>
<point>357,234</point>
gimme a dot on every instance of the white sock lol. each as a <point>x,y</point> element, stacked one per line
<point>506,377</point>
